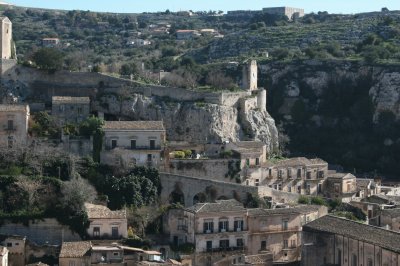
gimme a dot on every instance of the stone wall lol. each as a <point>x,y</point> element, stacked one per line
<point>278,196</point>
<point>46,231</point>
<point>189,187</point>
<point>6,65</point>
<point>216,169</point>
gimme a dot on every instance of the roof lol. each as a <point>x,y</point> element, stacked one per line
<point>383,199</point>
<point>102,212</point>
<point>297,161</point>
<point>364,182</point>
<point>134,125</point>
<point>75,249</point>
<point>248,146</point>
<point>218,206</point>
<point>51,39</point>
<point>340,175</point>
<point>148,252</point>
<point>186,31</point>
<point>300,209</point>
<point>13,108</point>
<point>68,99</point>
<point>106,248</point>
<point>374,235</point>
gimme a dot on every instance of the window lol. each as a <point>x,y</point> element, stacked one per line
<point>17,244</point>
<point>152,144</point>
<point>257,161</point>
<point>369,262</point>
<point>299,189</point>
<point>321,174</point>
<point>9,244</point>
<point>116,254</point>
<point>113,143</point>
<point>270,172</point>
<point>10,124</point>
<point>238,224</point>
<point>248,162</point>
<point>96,231</point>
<point>224,244</point>
<point>308,189</point>
<point>293,243</point>
<point>285,224</point>
<point>263,245</point>
<point>289,188</point>
<point>279,186</point>
<point>280,173</point>
<point>308,175</point>
<point>71,263</point>
<point>133,144</point>
<point>114,232</point>
<point>339,257</point>
<point>319,188</point>
<point>79,110</point>
<point>223,225</point>
<point>289,172</point>
<point>285,243</point>
<point>257,182</point>
<point>298,173</point>
<point>239,242</point>
<point>149,158</point>
<point>354,260</point>
<point>208,226</point>
<point>209,245</point>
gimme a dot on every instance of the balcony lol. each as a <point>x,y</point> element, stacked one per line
<point>277,230</point>
<point>10,129</point>
<point>223,231</point>
<point>183,228</point>
<point>137,148</point>
<point>224,249</point>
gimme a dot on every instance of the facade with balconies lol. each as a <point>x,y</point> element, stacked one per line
<point>13,125</point>
<point>131,143</point>
<point>279,230</point>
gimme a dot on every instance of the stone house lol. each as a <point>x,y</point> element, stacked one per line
<point>13,125</point>
<point>389,219</point>
<point>331,240</point>
<point>3,256</point>
<point>130,143</point>
<point>105,223</point>
<point>295,175</point>
<point>341,186</point>
<point>251,153</point>
<point>216,229</point>
<point>264,259</point>
<point>70,109</point>
<point>187,34</point>
<point>16,250</point>
<point>367,187</point>
<point>291,12</point>
<point>50,42</point>
<point>75,254</point>
<point>132,256</point>
<point>107,254</point>
<point>279,230</point>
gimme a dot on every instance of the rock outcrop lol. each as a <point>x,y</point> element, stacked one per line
<point>196,122</point>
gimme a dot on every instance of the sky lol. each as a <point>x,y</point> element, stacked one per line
<point>139,6</point>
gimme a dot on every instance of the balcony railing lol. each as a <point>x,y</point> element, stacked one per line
<point>10,129</point>
<point>231,230</point>
<point>137,148</point>
<point>225,249</point>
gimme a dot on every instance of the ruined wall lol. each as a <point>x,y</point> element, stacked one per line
<point>46,231</point>
<point>278,196</point>
<point>191,186</point>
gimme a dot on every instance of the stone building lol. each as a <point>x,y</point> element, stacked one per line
<point>295,175</point>
<point>13,125</point>
<point>70,109</point>
<point>291,12</point>
<point>250,76</point>
<point>367,187</point>
<point>187,34</point>
<point>16,250</point>
<point>50,42</point>
<point>6,38</point>
<point>75,253</point>
<point>389,219</point>
<point>264,259</point>
<point>130,143</point>
<point>331,240</point>
<point>341,186</point>
<point>3,256</point>
<point>250,153</point>
<point>216,229</point>
<point>105,223</point>
<point>279,230</point>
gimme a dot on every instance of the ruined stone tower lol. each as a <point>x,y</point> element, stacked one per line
<point>262,99</point>
<point>249,76</point>
<point>6,38</point>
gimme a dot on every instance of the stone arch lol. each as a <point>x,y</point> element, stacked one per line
<point>177,196</point>
<point>199,198</point>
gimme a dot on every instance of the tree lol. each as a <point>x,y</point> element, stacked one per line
<point>31,187</point>
<point>219,80</point>
<point>129,69</point>
<point>49,58</point>
<point>76,192</point>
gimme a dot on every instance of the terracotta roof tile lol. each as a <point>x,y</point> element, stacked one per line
<point>374,235</point>
<point>77,249</point>
<point>218,206</point>
<point>134,125</point>
<point>100,212</point>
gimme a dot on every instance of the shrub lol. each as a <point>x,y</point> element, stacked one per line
<point>179,154</point>
<point>187,153</point>
<point>318,201</point>
<point>303,200</point>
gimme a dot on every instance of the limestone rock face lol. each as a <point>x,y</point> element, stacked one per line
<point>195,122</point>
<point>385,93</point>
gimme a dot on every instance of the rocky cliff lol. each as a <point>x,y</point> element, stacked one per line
<point>197,122</point>
<point>346,112</point>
